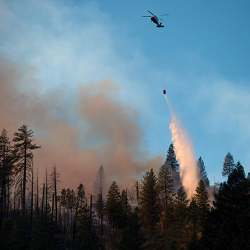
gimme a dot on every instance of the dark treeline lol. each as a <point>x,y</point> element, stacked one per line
<point>36,213</point>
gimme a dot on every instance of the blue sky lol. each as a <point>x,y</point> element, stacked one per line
<point>201,57</point>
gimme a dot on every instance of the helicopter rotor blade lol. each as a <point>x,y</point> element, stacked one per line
<point>151,13</point>
<point>166,14</point>
<point>146,16</point>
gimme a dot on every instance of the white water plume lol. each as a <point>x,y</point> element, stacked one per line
<point>184,153</point>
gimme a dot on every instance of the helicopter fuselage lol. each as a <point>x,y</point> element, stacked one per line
<point>155,20</point>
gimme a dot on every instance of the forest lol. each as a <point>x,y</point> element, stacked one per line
<point>37,214</point>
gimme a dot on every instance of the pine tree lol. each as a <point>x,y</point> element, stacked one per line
<point>228,165</point>
<point>80,207</point>
<point>100,206</point>
<point>131,233</point>
<point>177,231</point>
<point>126,209</point>
<point>150,211</point>
<point>203,173</point>
<point>113,205</point>
<point>228,224</point>
<point>236,176</point>
<point>171,159</point>
<point>6,171</point>
<point>165,186</point>
<point>181,197</point>
<point>149,204</point>
<point>201,200</point>
<point>114,212</point>
<point>124,201</point>
<point>81,200</point>
<point>23,147</point>
<point>193,211</point>
<point>85,235</point>
<point>172,165</point>
<point>194,227</point>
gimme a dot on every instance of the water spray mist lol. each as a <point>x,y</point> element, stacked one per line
<point>184,152</point>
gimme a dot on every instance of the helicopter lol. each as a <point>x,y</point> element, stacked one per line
<point>155,19</point>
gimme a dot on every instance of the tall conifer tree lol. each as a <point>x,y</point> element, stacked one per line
<point>203,173</point>
<point>114,205</point>
<point>6,170</point>
<point>23,151</point>
<point>150,211</point>
<point>165,186</point>
<point>228,165</point>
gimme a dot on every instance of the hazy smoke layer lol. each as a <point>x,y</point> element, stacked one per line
<point>79,129</point>
<point>185,155</point>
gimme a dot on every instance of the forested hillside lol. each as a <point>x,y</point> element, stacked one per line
<point>38,213</point>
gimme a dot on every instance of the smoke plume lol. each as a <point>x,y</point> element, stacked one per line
<point>185,155</point>
<point>79,130</point>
